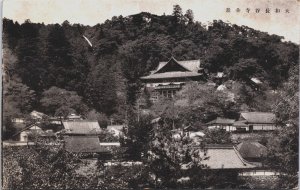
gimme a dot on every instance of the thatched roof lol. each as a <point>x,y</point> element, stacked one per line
<point>258,117</point>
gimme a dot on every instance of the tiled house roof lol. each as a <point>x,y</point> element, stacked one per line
<point>83,144</point>
<point>220,120</point>
<point>258,117</point>
<point>81,127</point>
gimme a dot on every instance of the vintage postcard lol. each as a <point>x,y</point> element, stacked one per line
<point>150,94</point>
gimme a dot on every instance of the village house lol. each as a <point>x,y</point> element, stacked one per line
<point>247,122</point>
<point>221,123</point>
<point>224,160</point>
<point>82,137</point>
<point>86,146</point>
<point>170,76</point>
<point>27,133</point>
<point>255,121</point>
<point>224,157</point>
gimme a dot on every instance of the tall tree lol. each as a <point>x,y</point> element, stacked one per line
<point>59,59</point>
<point>101,90</point>
<point>190,16</point>
<point>177,13</point>
<point>138,136</point>
<point>32,69</point>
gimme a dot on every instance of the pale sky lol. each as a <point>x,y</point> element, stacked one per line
<point>91,12</point>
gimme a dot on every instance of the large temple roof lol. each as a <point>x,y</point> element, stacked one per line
<point>191,65</point>
<point>173,74</point>
<point>175,69</point>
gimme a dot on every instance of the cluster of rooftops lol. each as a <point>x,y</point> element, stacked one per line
<point>82,136</point>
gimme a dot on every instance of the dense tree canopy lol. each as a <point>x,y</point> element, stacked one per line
<point>195,105</point>
<point>126,48</point>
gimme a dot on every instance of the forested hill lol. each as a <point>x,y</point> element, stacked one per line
<point>46,61</point>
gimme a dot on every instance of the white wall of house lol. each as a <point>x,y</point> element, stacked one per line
<point>262,127</point>
<point>226,127</point>
<point>110,144</point>
<point>258,173</point>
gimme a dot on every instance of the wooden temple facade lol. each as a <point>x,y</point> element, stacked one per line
<point>170,76</point>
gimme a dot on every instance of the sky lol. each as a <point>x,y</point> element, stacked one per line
<point>92,12</point>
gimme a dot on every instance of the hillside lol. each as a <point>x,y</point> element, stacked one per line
<point>104,77</point>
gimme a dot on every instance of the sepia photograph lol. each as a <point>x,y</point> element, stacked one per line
<point>150,94</point>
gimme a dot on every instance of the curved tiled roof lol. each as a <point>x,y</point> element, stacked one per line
<point>191,65</point>
<point>189,68</point>
<point>176,74</point>
<point>225,157</point>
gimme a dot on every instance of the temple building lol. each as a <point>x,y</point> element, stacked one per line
<point>170,76</point>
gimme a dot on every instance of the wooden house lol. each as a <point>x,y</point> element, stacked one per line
<point>221,123</point>
<point>247,122</point>
<point>223,160</point>
<point>222,157</point>
<point>255,121</point>
<point>86,146</point>
<point>82,137</point>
